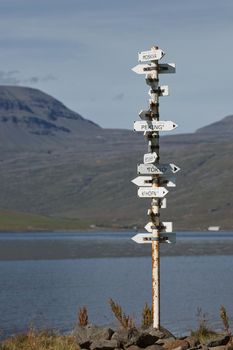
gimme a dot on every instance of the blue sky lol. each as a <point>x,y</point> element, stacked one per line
<point>82,52</point>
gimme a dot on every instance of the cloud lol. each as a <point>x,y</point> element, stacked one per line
<point>119,97</point>
<point>9,77</point>
<point>12,78</point>
<point>36,80</point>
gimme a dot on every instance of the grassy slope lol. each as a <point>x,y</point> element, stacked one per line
<point>100,190</point>
<point>18,221</point>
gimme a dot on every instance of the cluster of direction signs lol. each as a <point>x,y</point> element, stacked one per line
<point>151,168</point>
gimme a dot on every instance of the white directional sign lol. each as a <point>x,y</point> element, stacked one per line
<point>143,181</point>
<point>144,68</point>
<point>150,158</point>
<point>148,238</point>
<point>148,68</point>
<point>166,226</point>
<point>147,169</point>
<point>162,91</point>
<point>151,55</point>
<point>163,125</point>
<point>149,192</point>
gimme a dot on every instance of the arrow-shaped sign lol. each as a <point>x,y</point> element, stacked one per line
<point>150,158</point>
<point>147,169</point>
<point>148,68</point>
<point>166,226</point>
<point>165,125</point>
<point>151,55</point>
<point>149,238</point>
<point>161,91</point>
<point>147,181</point>
<point>143,181</point>
<point>149,192</point>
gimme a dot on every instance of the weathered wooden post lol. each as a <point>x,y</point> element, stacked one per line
<point>155,177</point>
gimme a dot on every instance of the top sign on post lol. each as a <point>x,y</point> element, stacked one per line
<point>151,55</point>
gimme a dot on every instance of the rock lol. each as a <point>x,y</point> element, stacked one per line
<point>223,347</point>
<point>154,347</point>
<point>104,345</point>
<point>218,341</point>
<point>161,333</point>
<point>182,344</point>
<point>133,347</point>
<point>124,336</point>
<point>146,339</point>
<point>90,333</point>
<point>193,341</point>
<point>165,341</point>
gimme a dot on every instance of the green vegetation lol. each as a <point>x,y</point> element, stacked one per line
<point>204,332</point>
<point>18,221</point>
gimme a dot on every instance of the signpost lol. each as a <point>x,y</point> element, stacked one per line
<point>151,67</point>
<point>166,125</point>
<point>152,192</point>
<point>157,169</point>
<point>150,157</point>
<point>148,238</point>
<point>153,175</point>
<point>153,54</point>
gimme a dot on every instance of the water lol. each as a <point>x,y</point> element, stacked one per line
<point>47,292</point>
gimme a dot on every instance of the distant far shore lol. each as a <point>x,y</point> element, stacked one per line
<point>60,247</point>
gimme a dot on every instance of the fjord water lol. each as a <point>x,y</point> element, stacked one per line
<point>46,277</point>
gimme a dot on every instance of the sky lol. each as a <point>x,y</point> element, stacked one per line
<point>82,51</point>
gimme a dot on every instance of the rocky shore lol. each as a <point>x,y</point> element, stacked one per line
<point>98,338</point>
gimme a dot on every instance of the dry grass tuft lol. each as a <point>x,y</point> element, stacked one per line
<point>40,341</point>
<point>126,321</point>
<point>225,320</point>
<point>83,316</point>
<point>147,317</point>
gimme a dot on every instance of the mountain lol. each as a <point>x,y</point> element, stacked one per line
<point>58,164</point>
<point>222,128</point>
<point>30,118</point>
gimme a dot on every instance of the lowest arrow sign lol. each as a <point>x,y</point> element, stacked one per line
<point>166,125</point>
<point>149,192</point>
<point>149,238</point>
<point>147,169</point>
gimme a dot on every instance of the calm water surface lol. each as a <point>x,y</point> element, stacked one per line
<point>48,292</point>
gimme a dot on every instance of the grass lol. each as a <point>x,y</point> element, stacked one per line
<point>40,341</point>
<point>204,332</point>
<point>19,221</point>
